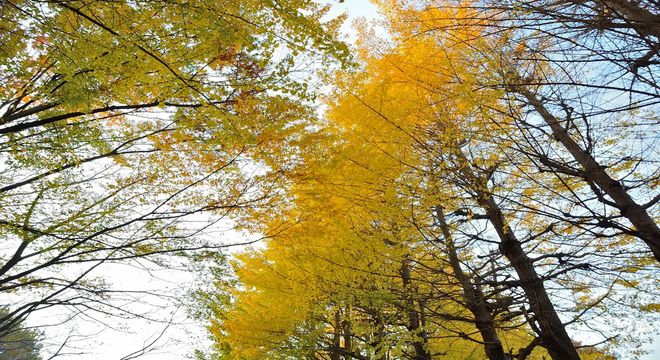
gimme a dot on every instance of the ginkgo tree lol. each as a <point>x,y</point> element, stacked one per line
<point>121,120</point>
<point>346,275</point>
<point>421,159</point>
<point>585,72</point>
<point>527,197</point>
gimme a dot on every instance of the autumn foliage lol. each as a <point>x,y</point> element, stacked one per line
<point>479,183</point>
<point>426,218</point>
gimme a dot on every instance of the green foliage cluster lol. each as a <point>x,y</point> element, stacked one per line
<point>123,123</point>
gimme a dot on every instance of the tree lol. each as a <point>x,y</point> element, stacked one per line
<point>122,122</point>
<point>422,159</point>
<point>586,71</point>
<point>438,131</point>
<point>552,62</point>
<point>346,224</point>
<point>19,343</point>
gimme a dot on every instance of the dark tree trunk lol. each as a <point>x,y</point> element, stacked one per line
<point>646,229</point>
<point>474,298</point>
<point>347,340</point>
<point>414,322</point>
<point>335,351</point>
<point>552,332</point>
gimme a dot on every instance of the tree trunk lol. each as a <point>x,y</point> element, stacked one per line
<point>347,340</point>
<point>646,229</point>
<point>335,351</point>
<point>414,325</point>
<point>473,296</point>
<point>552,332</point>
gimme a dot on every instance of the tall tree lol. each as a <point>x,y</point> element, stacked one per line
<point>427,124</point>
<point>122,121</point>
<point>569,197</point>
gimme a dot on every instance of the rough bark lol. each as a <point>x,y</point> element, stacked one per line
<point>348,346</point>
<point>335,351</point>
<point>646,229</point>
<point>552,332</point>
<point>474,298</point>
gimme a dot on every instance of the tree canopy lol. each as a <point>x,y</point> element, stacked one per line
<point>445,207</point>
<point>19,343</point>
<point>122,122</point>
<point>470,180</point>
